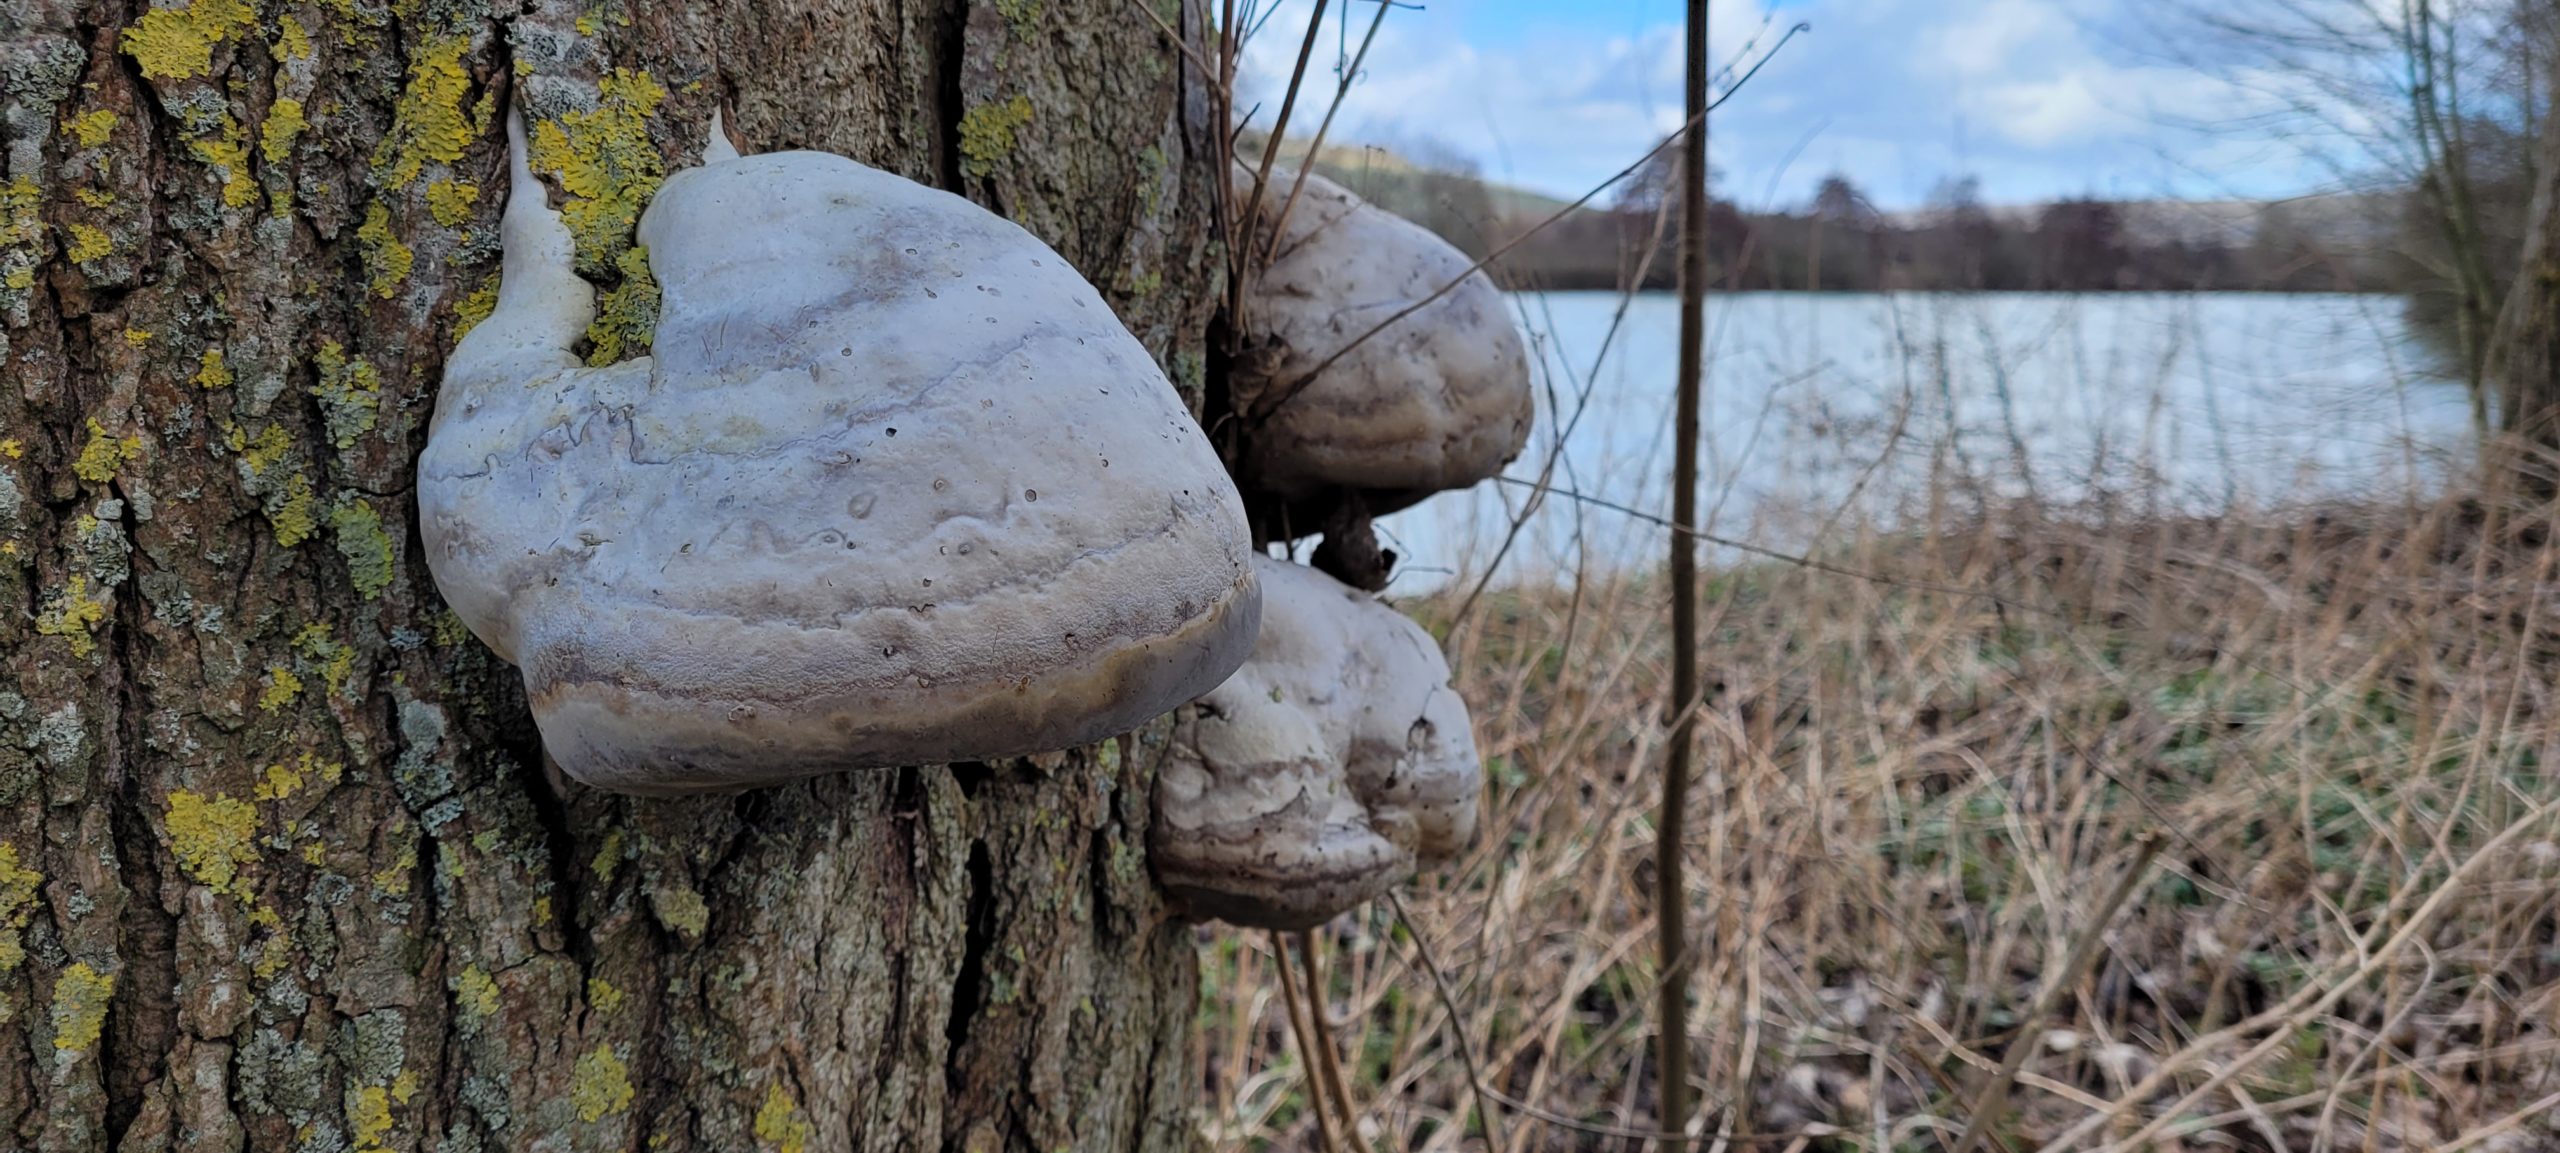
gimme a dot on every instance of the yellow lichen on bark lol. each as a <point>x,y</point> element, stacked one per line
<point>337,661</point>
<point>369,1117</point>
<point>987,134</point>
<point>21,239</point>
<point>74,615</point>
<point>281,781</point>
<point>609,164</point>
<point>104,454</point>
<point>18,887</point>
<point>450,201</point>
<point>227,151</point>
<point>214,839</point>
<point>91,129</point>
<point>386,260</point>
<point>296,517</point>
<point>475,992</point>
<point>365,546</point>
<point>627,316</point>
<point>780,1126</point>
<point>282,687</point>
<point>211,371</point>
<point>349,391</point>
<point>80,999</point>
<point>88,242</point>
<point>284,124</point>
<point>431,124</point>
<point>177,42</point>
<point>292,42</point>
<point>473,309</point>
<point>600,1086</point>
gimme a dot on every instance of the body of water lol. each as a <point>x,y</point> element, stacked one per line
<point>1828,409</point>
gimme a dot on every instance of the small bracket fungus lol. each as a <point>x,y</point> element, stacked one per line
<point>1438,400</point>
<point>1321,773</point>
<point>895,487</point>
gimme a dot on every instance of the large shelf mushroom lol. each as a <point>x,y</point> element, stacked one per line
<point>895,487</point>
<point>1337,423</point>
<point>1321,774</point>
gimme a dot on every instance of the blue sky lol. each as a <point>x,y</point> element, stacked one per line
<point>2039,98</point>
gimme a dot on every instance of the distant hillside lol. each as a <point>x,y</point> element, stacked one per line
<point>1376,171</point>
<point>1840,242</point>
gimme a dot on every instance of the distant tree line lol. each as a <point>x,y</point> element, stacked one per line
<point>2439,124</point>
<point>1840,242</point>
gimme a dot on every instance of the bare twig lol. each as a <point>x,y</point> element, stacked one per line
<point>1330,1062</point>
<point>1492,1118</point>
<point>1994,1097</point>
<point>1315,148</point>
<point>1670,846</point>
<point>1296,386</point>
<point>1307,1042</point>
<point>1280,128</point>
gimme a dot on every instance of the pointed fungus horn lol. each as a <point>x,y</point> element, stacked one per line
<point>718,147</point>
<point>895,487</point>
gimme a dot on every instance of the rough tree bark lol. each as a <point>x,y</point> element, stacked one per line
<point>2527,358</point>
<point>279,864</point>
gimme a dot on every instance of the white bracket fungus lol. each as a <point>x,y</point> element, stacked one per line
<point>1321,773</point>
<point>895,487</point>
<point>1436,401</point>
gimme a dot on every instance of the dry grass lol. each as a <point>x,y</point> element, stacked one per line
<point>1916,802</point>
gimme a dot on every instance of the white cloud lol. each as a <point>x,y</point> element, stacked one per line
<point>2045,112</point>
<point>2031,94</point>
<point>1559,115</point>
<point>1990,39</point>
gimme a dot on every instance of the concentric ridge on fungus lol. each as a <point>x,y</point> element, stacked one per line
<point>1436,401</point>
<point>894,487</point>
<point>1336,760</point>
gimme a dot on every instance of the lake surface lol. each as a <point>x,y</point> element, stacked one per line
<point>1824,410</point>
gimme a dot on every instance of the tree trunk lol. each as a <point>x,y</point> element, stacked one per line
<point>2528,348</point>
<point>280,864</point>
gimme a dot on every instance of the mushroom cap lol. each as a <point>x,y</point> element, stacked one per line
<point>1323,772</point>
<point>895,487</point>
<point>1439,400</point>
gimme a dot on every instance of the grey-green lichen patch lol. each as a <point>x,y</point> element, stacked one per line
<point>488,1098</point>
<point>17,777</point>
<point>1128,864</point>
<point>321,1135</point>
<point>374,1046</point>
<point>542,50</point>
<point>41,73</point>
<point>1190,371</point>
<point>679,907</point>
<point>62,739</point>
<point>283,999</point>
<point>357,530</point>
<point>422,774</point>
<point>281,1076</point>
<point>434,818</point>
<point>1152,180</point>
<point>350,394</point>
<point>1022,16</point>
<point>101,546</point>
